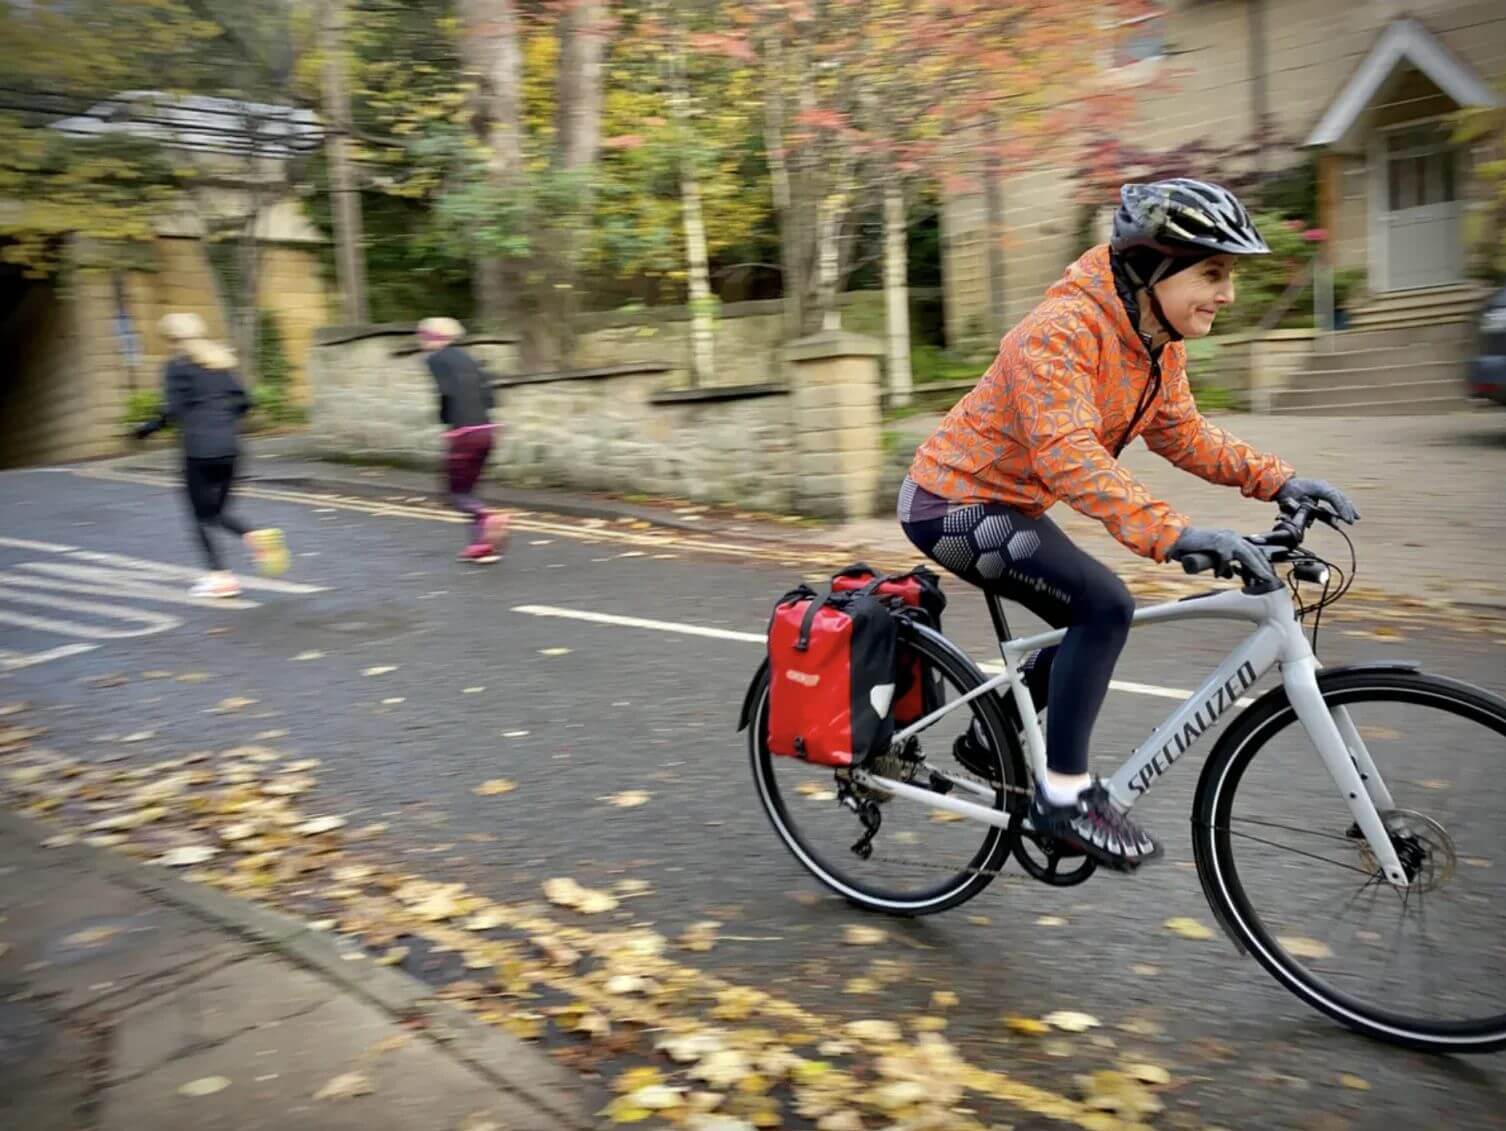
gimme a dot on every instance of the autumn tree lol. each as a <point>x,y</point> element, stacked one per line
<point>105,187</point>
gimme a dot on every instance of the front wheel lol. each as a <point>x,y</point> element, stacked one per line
<point>921,860</point>
<point>1289,875</point>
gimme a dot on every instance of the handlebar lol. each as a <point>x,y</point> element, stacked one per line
<point>1286,534</point>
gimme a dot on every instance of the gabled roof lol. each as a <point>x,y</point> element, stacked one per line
<point>220,125</point>
<point>1408,41</point>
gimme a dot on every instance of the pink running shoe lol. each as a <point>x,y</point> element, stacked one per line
<point>480,553</point>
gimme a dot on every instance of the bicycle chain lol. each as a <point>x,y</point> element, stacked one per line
<point>954,869</point>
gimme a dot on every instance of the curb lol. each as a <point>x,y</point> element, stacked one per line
<point>514,1067</point>
<point>325,475</point>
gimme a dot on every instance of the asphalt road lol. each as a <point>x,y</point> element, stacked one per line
<point>576,711</point>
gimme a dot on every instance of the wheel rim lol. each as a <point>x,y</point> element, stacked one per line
<point>1310,895</point>
<point>918,863</point>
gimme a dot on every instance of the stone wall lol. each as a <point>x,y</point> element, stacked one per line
<point>623,428</point>
<point>749,337</point>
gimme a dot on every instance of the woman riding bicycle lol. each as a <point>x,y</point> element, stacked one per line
<point>1100,361</point>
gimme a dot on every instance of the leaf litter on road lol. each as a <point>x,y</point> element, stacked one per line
<point>746,1055</point>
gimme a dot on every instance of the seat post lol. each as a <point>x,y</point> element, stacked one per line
<point>996,611</point>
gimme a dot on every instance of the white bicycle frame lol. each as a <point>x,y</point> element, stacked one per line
<point>1277,639</point>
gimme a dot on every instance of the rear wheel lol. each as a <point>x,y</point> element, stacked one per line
<point>922,859</point>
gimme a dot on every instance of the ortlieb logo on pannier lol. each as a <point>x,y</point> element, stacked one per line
<point>920,591</point>
<point>831,675</point>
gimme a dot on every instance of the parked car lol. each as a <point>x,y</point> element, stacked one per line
<point>1487,369</point>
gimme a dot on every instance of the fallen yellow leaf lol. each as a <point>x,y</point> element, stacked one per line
<point>1148,1073</point>
<point>1188,928</point>
<point>567,893</point>
<point>494,787</point>
<point>1358,1083</point>
<point>627,799</point>
<point>855,935</point>
<point>1070,1021</point>
<point>345,1087</point>
<point>187,856</point>
<point>320,825</point>
<point>873,1030</point>
<point>204,1086</point>
<point>1304,948</point>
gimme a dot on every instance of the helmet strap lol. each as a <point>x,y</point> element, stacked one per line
<point>1160,314</point>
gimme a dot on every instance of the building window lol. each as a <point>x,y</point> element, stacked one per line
<point>1139,39</point>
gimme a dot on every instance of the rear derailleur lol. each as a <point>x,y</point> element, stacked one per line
<point>867,809</point>
<point>899,763</point>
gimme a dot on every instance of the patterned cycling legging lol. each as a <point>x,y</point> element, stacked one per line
<point>1030,561</point>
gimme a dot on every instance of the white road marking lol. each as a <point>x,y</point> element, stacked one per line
<point>993,667</point>
<point>11,662</point>
<point>154,622</point>
<point>44,587</point>
<point>640,622</point>
<point>43,547</point>
<point>184,573</point>
<point>64,578</point>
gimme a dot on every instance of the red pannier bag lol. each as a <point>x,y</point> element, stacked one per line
<point>831,676</point>
<point>920,589</point>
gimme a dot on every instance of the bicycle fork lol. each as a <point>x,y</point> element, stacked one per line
<point>1348,761</point>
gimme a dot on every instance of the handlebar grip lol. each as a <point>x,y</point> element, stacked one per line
<point>1197,563</point>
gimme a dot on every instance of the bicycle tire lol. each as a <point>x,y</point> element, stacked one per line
<point>1219,871</point>
<point>934,650</point>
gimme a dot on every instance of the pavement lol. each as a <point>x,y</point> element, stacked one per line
<point>425,752</point>
<point>133,999</point>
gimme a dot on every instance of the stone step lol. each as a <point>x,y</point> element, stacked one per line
<point>1407,338</point>
<point>1429,305</point>
<point>1410,317</point>
<point>1347,370</point>
<point>1452,352</point>
<point>1408,392</point>
<point>1433,406</point>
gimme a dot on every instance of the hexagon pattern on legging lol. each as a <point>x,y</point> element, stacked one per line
<point>991,565</point>
<point>992,532</point>
<point>963,519</point>
<point>981,544</point>
<point>1023,544</point>
<point>956,553</point>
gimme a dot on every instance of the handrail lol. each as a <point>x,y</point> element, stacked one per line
<point>1288,298</point>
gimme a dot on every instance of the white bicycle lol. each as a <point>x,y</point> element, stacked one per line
<point>1347,826</point>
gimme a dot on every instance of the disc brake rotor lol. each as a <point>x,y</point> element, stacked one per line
<point>1426,850</point>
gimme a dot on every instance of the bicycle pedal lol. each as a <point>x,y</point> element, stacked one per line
<point>940,784</point>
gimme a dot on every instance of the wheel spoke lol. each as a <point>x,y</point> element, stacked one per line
<point>923,859</point>
<point>1353,947</point>
<point>1295,851</point>
<point>1294,829</point>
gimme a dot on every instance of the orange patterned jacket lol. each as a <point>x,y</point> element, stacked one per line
<point>1043,420</point>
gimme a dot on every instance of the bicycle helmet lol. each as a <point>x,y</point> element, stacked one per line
<point>1182,219</point>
